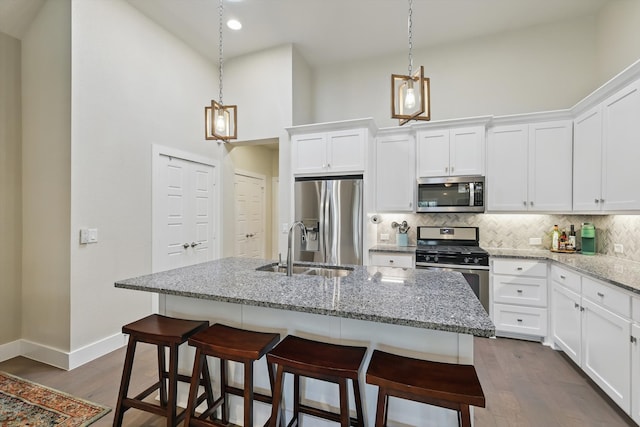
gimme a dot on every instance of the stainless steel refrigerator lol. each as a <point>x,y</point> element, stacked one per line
<point>331,211</point>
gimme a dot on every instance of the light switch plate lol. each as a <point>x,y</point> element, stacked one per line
<point>535,240</point>
<point>618,248</point>
<point>384,237</point>
<point>88,235</point>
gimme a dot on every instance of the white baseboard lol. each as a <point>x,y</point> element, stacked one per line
<point>9,350</point>
<point>67,360</point>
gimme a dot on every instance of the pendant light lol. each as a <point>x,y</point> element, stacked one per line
<point>220,121</point>
<point>410,98</point>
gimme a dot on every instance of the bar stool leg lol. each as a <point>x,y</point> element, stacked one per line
<point>464,416</point>
<point>277,400</point>
<point>344,402</point>
<point>124,383</point>
<point>223,391</point>
<point>381,410</point>
<point>296,398</point>
<point>248,393</point>
<point>162,375</point>
<point>206,378</point>
<point>173,385</point>
<point>193,387</point>
<point>358,398</point>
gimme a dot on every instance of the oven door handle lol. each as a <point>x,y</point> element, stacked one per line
<point>431,266</point>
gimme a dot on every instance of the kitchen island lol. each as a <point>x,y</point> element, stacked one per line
<point>420,313</point>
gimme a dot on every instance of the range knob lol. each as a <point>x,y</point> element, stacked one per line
<point>467,260</point>
<point>435,258</point>
<point>476,260</point>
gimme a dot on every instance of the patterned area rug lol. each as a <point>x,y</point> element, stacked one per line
<point>23,403</point>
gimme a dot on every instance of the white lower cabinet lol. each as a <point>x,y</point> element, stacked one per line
<point>391,259</point>
<point>566,322</point>
<point>635,360</point>
<point>519,297</point>
<point>591,324</point>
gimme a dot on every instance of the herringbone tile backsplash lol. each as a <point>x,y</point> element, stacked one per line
<point>514,231</point>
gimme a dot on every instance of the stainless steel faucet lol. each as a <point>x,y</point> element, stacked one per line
<point>290,244</point>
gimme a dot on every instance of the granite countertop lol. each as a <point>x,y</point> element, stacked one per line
<point>619,272</point>
<point>427,299</point>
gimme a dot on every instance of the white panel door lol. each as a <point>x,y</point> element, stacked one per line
<point>550,171</point>
<point>250,216</point>
<point>433,153</point>
<point>587,161</point>
<point>183,217</point>
<point>566,321</point>
<point>395,173</point>
<point>606,352</point>
<point>466,151</point>
<point>507,168</point>
<point>621,149</point>
<point>635,373</point>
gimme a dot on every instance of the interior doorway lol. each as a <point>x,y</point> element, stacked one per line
<point>250,207</point>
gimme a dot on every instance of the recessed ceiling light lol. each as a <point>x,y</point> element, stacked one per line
<point>234,24</point>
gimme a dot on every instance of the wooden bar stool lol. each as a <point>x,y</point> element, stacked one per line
<point>238,345</point>
<point>440,384</point>
<point>322,361</point>
<point>163,332</point>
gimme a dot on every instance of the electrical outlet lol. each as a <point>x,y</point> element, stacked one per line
<point>384,237</point>
<point>618,248</point>
<point>535,240</point>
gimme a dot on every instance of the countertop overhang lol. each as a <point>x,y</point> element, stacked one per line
<point>429,299</point>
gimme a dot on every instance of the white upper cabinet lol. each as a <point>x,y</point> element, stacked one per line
<point>329,152</point>
<point>529,167</point>
<point>507,168</point>
<point>587,161</point>
<point>455,151</point>
<point>395,172</point>
<point>621,150</point>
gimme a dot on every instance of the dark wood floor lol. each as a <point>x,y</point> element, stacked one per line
<point>525,384</point>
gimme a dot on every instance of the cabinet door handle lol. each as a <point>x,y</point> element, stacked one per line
<point>519,291</point>
<point>524,202</point>
<point>600,294</point>
<point>562,277</point>
<point>519,268</point>
<point>328,165</point>
<point>597,200</point>
<point>410,204</point>
<point>601,200</point>
<point>576,305</point>
<point>446,169</point>
<point>194,244</point>
<point>185,245</point>
<point>451,169</point>
<point>390,261</point>
<point>581,308</point>
<point>531,203</point>
<point>519,320</point>
<point>634,339</point>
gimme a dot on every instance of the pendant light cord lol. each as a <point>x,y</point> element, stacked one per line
<point>220,50</point>
<point>410,33</point>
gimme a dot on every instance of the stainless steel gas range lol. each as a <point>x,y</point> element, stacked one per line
<point>456,249</point>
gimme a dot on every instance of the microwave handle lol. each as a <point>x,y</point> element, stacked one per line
<point>472,194</point>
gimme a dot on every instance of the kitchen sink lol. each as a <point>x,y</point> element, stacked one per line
<point>329,271</point>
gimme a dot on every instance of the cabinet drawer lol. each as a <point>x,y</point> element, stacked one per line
<point>520,267</point>
<point>390,259</point>
<point>521,320</point>
<point>565,277</point>
<point>607,297</point>
<point>520,290</point>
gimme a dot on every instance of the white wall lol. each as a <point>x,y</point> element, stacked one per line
<point>540,68</point>
<point>134,85</point>
<point>261,85</point>
<point>46,176</point>
<point>618,37</point>
<point>10,190</point>
<point>302,95</point>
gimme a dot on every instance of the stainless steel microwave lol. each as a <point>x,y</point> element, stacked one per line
<point>450,194</point>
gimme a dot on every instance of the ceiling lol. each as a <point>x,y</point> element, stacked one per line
<point>330,31</point>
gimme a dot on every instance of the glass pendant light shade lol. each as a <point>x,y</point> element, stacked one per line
<point>220,121</point>
<point>410,98</point>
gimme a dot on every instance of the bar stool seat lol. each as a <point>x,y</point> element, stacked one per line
<point>446,385</point>
<point>322,361</point>
<point>229,344</point>
<point>163,332</point>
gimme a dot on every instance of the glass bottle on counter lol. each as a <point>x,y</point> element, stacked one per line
<point>555,238</point>
<point>572,237</point>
